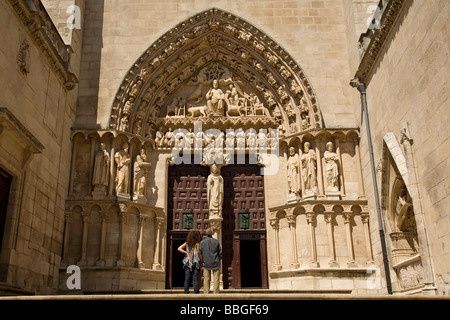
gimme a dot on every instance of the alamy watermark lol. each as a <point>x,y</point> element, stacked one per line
<point>73,282</point>
<point>373,22</point>
<point>74,20</point>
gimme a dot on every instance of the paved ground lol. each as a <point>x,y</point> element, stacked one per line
<point>225,295</point>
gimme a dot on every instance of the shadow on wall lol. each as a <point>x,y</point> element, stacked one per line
<point>86,113</point>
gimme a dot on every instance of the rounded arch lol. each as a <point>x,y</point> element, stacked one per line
<point>176,71</point>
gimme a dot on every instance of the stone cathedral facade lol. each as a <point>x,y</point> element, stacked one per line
<point>310,135</point>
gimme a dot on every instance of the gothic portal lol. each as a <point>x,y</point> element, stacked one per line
<point>215,98</point>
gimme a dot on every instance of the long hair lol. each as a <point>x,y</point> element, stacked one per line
<point>193,238</point>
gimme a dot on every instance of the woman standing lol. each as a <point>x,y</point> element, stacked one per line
<point>191,261</point>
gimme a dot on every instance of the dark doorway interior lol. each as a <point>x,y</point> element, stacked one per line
<point>250,251</point>
<point>177,269</point>
<point>5,184</point>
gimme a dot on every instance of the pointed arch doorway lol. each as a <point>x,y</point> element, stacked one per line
<point>244,247</point>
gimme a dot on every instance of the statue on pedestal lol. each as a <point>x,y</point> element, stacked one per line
<point>141,167</point>
<point>100,177</point>
<point>123,161</point>
<point>214,185</point>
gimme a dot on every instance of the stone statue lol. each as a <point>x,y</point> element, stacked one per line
<point>101,170</point>
<point>331,161</point>
<point>123,161</point>
<point>159,138</point>
<point>168,139</point>
<point>141,167</point>
<point>309,169</point>
<point>215,100</point>
<point>293,172</point>
<point>214,185</point>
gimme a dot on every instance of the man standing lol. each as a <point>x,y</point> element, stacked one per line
<point>211,255</point>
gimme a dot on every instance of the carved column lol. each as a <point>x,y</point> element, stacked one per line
<point>275,223</point>
<point>112,173</point>
<point>369,252</point>
<point>329,220</point>
<point>68,221</point>
<point>101,261</point>
<point>319,170</point>
<point>74,157</point>
<point>311,219</point>
<point>85,214</point>
<point>216,225</point>
<point>341,171</point>
<point>140,264</point>
<point>291,218</point>
<point>159,223</point>
<point>91,165</point>
<point>362,194</point>
<point>130,172</point>
<point>351,263</point>
<point>123,222</point>
<point>300,172</point>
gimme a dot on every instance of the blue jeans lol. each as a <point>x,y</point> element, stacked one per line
<point>188,275</point>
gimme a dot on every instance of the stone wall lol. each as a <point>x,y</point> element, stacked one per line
<point>117,33</point>
<point>38,109</point>
<point>409,88</point>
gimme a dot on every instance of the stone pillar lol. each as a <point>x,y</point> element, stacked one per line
<point>341,171</point>
<point>72,173</point>
<point>275,223</point>
<point>369,252</point>
<point>139,263</point>
<point>351,263</point>
<point>291,218</point>
<point>329,220</point>
<point>91,165</point>
<point>159,223</point>
<point>112,173</point>
<point>68,221</point>
<point>311,219</point>
<point>101,261</point>
<point>362,194</point>
<point>300,172</point>
<point>123,222</point>
<point>320,187</point>
<point>85,214</point>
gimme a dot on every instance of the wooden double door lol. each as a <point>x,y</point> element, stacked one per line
<point>244,252</point>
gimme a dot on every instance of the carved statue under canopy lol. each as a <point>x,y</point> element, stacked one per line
<point>293,172</point>
<point>331,161</point>
<point>214,185</point>
<point>141,167</point>
<point>123,161</point>
<point>100,176</point>
<point>309,175</point>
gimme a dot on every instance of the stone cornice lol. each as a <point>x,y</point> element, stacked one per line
<point>13,122</point>
<point>374,40</point>
<point>46,38</point>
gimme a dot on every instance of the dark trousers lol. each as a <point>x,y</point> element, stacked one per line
<point>192,275</point>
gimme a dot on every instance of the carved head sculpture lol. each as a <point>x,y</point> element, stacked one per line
<point>215,169</point>
<point>330,146</point>
<point>291,151</point>
<point>306,147</point>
